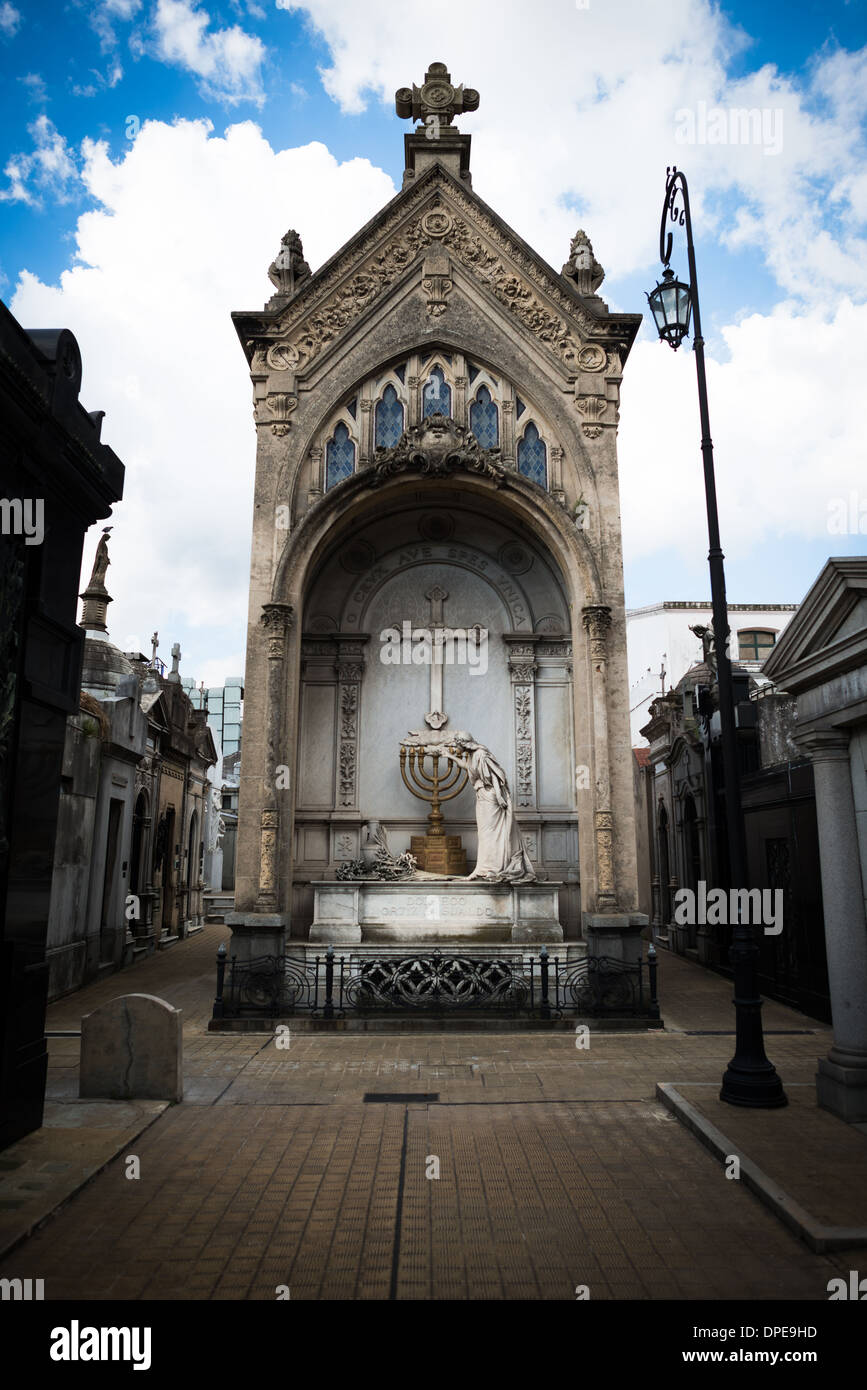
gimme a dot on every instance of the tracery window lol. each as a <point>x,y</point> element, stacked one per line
<point>380,409</point>
<point>437,395</point>
<point>533,456</point>
<point>339,456</point>
<point>485,419</point>
<point>389,419</point>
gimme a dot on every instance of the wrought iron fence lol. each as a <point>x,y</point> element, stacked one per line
<point>536,986</point>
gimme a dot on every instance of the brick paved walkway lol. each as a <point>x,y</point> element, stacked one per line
<point>557,1166</point>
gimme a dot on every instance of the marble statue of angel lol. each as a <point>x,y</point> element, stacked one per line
<point>502,856</point>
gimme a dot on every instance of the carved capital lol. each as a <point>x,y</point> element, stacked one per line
<point>597,621</point>
<point>824,745</point>
<point>281,404</point>
<point>592,408</point>
<point>277,619</point>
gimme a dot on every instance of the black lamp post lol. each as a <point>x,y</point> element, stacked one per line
<point>750,1079</point>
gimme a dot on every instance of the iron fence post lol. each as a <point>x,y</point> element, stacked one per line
<point>543,970</point>
<point>328,1011</point>
<point>221,975</point>
<point>651,970</point>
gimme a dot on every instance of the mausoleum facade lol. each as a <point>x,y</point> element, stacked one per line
<point>436,548</point>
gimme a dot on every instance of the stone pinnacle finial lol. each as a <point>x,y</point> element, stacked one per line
<point>96,597</point>
<point>582,266</point>
<point>288,269</point>
<point>437,97</point>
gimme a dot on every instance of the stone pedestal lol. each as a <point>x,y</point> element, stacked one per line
<point>439,854</point>
<point>615,934</point>
<point>257,933</point>
<point>433,910</point>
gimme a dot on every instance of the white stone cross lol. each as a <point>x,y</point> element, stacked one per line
<point>436,716</point>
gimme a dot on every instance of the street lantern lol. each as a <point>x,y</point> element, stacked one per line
<point>750,1078</point>
<point>671,305</point>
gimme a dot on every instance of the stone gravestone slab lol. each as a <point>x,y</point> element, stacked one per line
<point>131,1048</point>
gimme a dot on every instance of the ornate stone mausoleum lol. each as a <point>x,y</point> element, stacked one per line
<point>436,548</point>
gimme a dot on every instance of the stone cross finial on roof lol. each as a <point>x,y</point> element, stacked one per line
<point>155,641</point>
<point>436,97</point>
<point>174,674</point>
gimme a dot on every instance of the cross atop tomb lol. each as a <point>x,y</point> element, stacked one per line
<point>174,674</point>
<point>436,97</point>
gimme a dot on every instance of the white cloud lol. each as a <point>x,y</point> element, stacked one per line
<point>48,169</point>
<point>105,14</point>
<point>10,20</point>
<point>109,78</point>
<point>579,119</point>
<point>186,226</point>
<point>228,62</point>
<point>34,85</point>
<point>576,125</point>
<point>787,427</point>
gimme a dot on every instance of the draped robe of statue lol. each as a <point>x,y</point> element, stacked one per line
<point>501,856</point>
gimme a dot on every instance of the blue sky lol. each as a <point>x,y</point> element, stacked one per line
<point>111,195</point>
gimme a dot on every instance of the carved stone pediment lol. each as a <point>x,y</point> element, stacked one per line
<point>435,218</point>
<point>437,447</point>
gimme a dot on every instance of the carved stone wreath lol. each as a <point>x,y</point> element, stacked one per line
<point>437,447</point>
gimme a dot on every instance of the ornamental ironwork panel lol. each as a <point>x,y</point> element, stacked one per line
<point>534,986</point>
<point>436,982</point>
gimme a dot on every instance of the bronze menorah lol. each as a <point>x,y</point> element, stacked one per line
<point>428,785</point>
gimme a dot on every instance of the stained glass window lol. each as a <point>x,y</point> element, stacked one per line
<point>472,372</point>
<point>532,457</point>
<point>339,457</point>
<point>519,407</point>
<point>485,420</point>
<point>389,419</point>
<point>400,373</point>
<point>353,406</point>
<point>437,394</point>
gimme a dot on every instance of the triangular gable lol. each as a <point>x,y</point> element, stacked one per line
<point>828,630</point>
<point>435,219</point>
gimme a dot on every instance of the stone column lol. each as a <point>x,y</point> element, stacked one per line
<point>276,619</point>
<point>350,669</point>
<point>317,475</point>
<point>366,435</point>
<point>597,621</point>
<point>841,1081</point>
<point>522,670</point>
<point>508,439</point>
<point>556,481</point>
<point>413,392</point>
<point>459,408</point>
